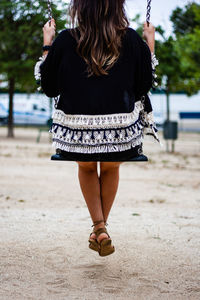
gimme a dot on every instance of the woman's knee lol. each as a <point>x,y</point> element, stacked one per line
<point>107,166</point>
<point>87,166</point>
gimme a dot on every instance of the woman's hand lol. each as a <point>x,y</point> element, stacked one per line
<point>148,32</point>
<point>49,31</point>
<point>149,35</point>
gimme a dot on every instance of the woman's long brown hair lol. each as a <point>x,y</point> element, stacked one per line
<point>98,27</point>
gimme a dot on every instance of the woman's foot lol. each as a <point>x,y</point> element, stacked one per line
<point>93,241</point>
<point>101,236</point>
<point>93,236</point>
<point>104,241</point>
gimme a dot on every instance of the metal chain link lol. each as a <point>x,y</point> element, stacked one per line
<point>148,16</point>
<point>56,99</point>
<point>49,11</point>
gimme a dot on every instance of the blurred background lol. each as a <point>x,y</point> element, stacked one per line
<point>176,98</point>
<point>155,219</point>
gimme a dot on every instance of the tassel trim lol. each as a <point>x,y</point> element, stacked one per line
<point>154,63</point>
<point>106,148</point>
<point>37,73</point>
<point>102,133</point>
<point>150,126</point>
<point>96,136</point>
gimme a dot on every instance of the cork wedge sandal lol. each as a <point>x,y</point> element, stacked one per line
<point>93,244</point>
<point>105,246</point>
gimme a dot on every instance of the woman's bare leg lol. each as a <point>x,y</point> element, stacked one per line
<point>89,183</point>
<point>109,181</point>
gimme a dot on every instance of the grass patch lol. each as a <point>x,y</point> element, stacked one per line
<point>151,161</point>
<point>44,154</point>
<point>158,200</point>
<point>156,237</point>
<point>165,161</point>
<point>135,214</point>
<point>6,155</point>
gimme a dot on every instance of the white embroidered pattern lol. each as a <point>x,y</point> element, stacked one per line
<point>98,121</point>
<point>97,149</point>
<point>101,133</point>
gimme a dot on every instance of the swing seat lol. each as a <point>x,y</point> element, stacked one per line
<point>60,157</point>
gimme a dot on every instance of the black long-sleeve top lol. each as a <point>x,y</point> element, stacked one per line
<point>64,73</point>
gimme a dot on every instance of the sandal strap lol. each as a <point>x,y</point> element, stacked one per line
<point>98,222</point>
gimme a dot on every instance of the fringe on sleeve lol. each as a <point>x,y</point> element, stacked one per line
<point>148,119</point>
<point>147,113</point>
<point>37,72</point>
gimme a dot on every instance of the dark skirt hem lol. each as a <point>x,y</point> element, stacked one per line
<point>107,157</point>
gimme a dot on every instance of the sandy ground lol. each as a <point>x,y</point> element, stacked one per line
<point>45,225</point>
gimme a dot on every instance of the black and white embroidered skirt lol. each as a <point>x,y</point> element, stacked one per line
<point>99,137</point>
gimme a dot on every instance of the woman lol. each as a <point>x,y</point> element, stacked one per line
<point>100,68</point>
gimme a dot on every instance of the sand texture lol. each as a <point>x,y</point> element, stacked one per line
<point>45,225</point>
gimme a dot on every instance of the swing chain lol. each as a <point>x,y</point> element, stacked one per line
<point>49,11</point>
<point>56,99</point>
<point>148,11</point>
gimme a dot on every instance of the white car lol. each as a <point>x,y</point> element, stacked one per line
<point>27,109</point>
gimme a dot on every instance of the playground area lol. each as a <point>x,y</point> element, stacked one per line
<point>44,225</point>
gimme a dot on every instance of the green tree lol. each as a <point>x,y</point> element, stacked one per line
<point>169,69</point>
<point>21,25</point>
<point>186,24</point>
<point>179,54</point>
<point>186,19</point>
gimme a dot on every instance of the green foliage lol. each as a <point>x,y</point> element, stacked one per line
<point>179,55</point>
<point>187,29</point>
<point>186,19</point>
<point>169,65</point>
<point>21,39</point>
<point>169,60</point>
<point>190,62</point>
